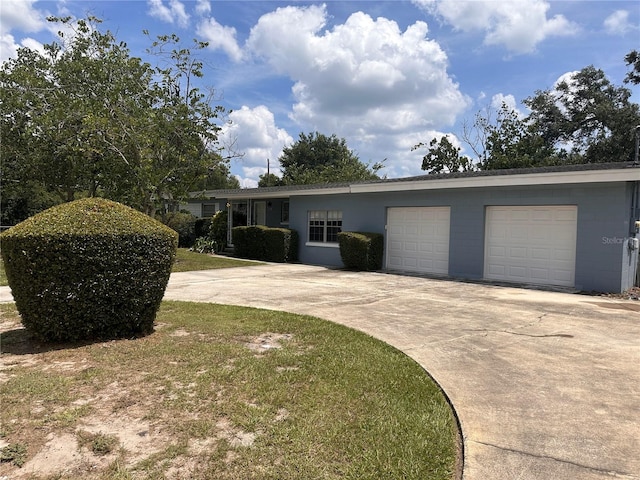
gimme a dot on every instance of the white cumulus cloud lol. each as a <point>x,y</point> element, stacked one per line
<point>174,13</point>
<point>518,25</point>
<point>365,80</point>
<point>19,15</point>
<point>203,7</point>
<point>618,23</point>
<point>220,37</point>
<point>253,132</point>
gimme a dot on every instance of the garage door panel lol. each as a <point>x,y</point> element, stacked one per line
<point>418,239</point>
<point>531,244</point>
<point>426,248</point>
<point>517,272</point>
<point>540,254</point>
<point>541,215</point>
<point>566,215</point>
<point>411,247</point>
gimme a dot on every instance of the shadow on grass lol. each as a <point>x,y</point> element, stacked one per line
<point>21,342</point>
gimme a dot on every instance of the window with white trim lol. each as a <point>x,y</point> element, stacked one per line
<point>210,209</point>
<point>324,225</point>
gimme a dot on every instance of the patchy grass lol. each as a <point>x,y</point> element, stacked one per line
<point>15,453</point>
<point>221,392</point>
<point>187,261</point>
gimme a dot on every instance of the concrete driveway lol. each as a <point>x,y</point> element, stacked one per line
<point>546,385</point>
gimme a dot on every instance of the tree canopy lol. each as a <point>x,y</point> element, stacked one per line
<point>444,157</point>
<point>317,158</point>
<point>85,118</point>
<point>583,119</point>
<point>632,60</point>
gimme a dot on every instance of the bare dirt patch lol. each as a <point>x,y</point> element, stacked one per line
<point>55,432</point>
<point>267,341</point>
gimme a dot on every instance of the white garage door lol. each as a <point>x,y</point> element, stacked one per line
<point>418,239</point>
<point>531,244</point>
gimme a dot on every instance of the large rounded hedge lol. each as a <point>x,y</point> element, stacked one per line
<point>88,269</point>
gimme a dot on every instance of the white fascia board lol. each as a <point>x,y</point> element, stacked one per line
<point>551,178</point>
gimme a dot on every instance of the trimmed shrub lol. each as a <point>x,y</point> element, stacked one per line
<point>89,269</point>
<point>218,229</point>
<point>281,245</point>
<point>361,250</point>
<point>248,242</point>
<point>263,243</point>
<point>185,224</point>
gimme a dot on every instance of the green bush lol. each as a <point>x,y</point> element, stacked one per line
<point>263,243</point>
<point>89,269</point>
<point>281,245</point>
<point>185,224</point>
<point>218,229</point>
<point>361,250</point>
<point>248,242</point>
<point>202,227</point>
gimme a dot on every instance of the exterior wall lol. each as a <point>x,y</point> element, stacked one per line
<point>603,259</point>
<point>194,207</point>
<point>274,213</point>
<point>630,256</point>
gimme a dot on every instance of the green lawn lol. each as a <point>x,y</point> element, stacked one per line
<point>221,392</point>
<point>187,261</point>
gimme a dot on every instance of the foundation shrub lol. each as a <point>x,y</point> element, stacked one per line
<point>89,269</point>
<point>185,224</point>
<point>263,243</point>
<point>218,229</point>
<point>361,250</point>
<point>248,242</point>
<point>281,245</point>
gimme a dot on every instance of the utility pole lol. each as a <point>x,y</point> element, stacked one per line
<point>636,161</point>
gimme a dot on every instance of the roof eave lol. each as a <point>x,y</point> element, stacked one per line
<point>549,178</point>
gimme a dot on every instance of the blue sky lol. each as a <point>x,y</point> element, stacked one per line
<point>384,75</point>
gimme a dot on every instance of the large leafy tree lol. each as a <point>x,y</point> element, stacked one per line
<point>63,109</point>
<point>86,118</point>
<point>317,158</point>
<point>632,60</point>
<point>269,180</point>
<point>585,118</point>
<point>444,157</point>
<point>511,143</point>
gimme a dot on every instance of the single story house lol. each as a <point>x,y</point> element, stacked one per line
<point>572,226</point>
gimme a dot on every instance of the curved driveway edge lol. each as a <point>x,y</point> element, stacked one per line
<point>546,385</point>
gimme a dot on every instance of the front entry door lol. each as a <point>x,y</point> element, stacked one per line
<point>259,213</point>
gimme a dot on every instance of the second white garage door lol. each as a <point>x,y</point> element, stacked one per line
<point>418,239</point>
<point>531,244</point>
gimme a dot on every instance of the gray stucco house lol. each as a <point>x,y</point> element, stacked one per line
<point>570,226</point>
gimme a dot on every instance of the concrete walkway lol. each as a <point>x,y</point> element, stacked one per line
<point>546,385</point>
